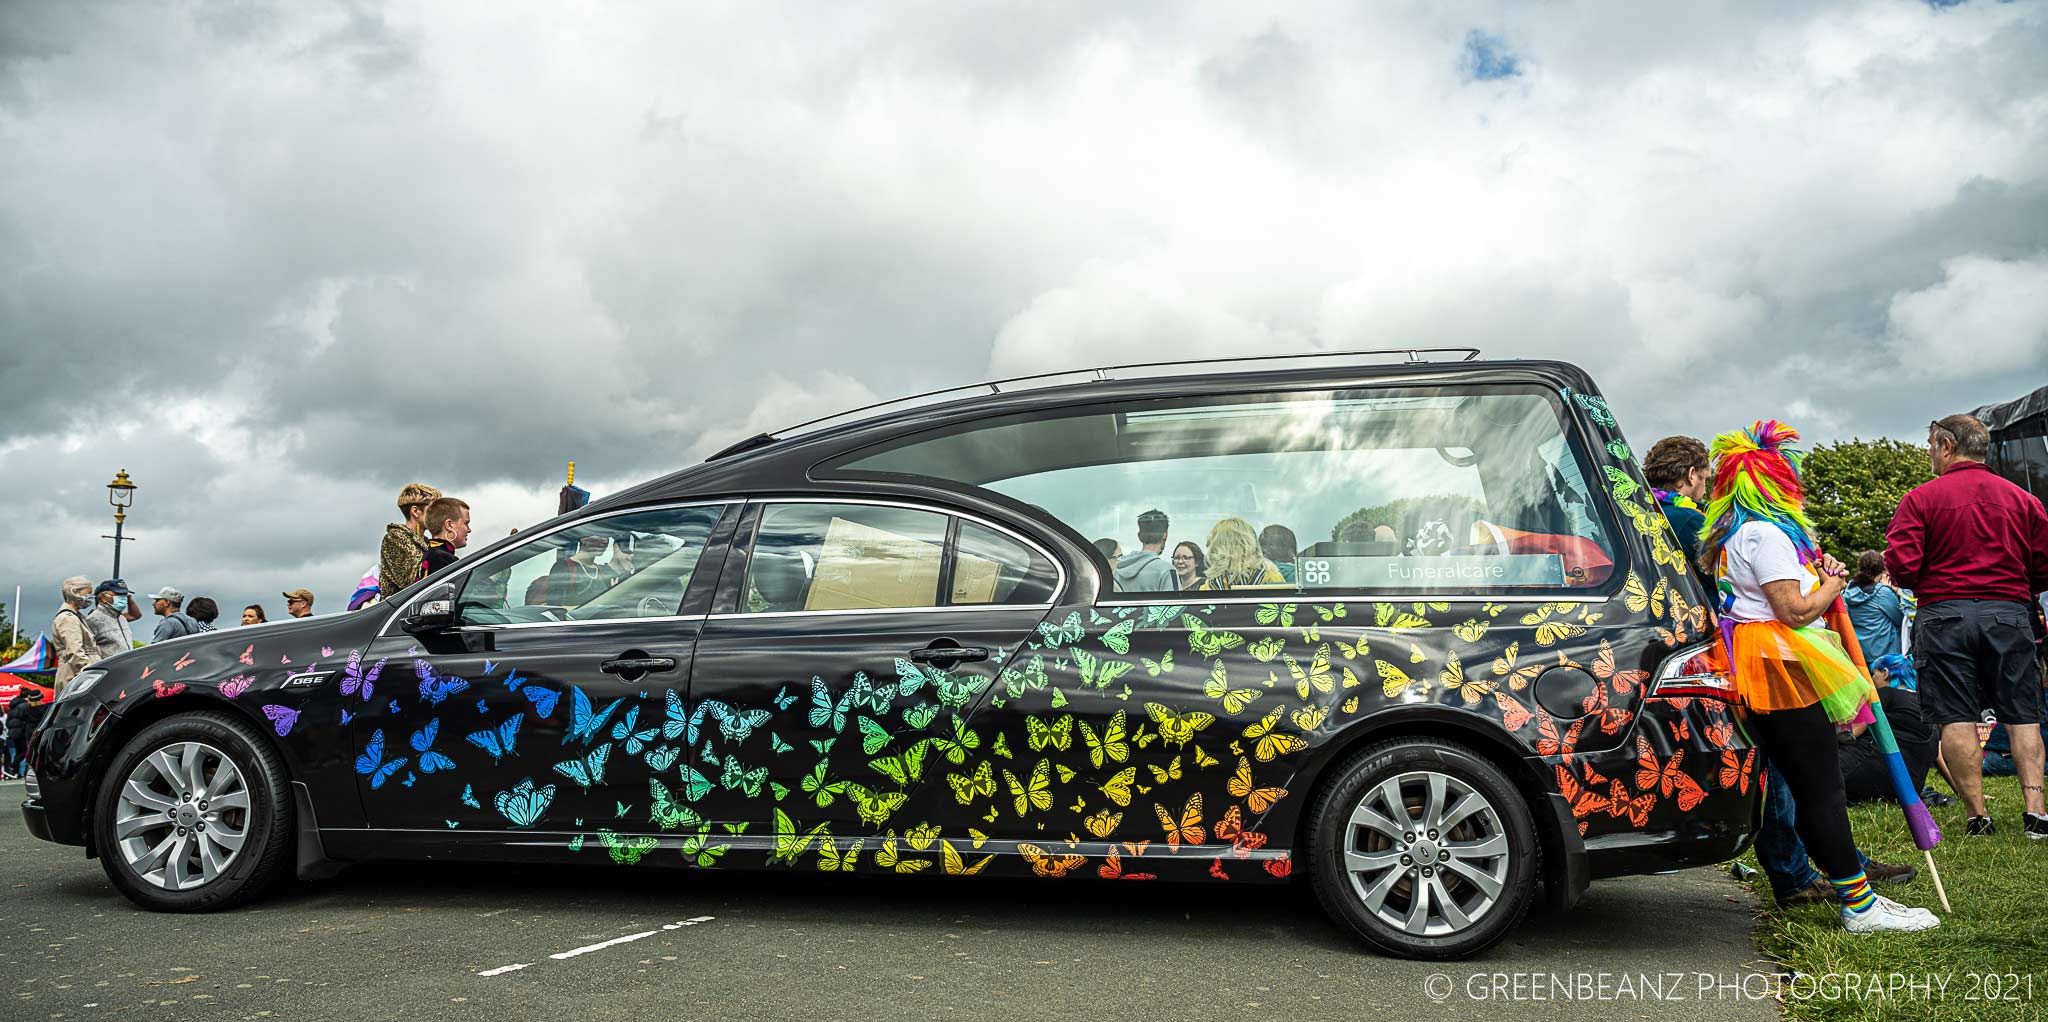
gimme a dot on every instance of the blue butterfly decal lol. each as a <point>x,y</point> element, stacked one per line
<point>371,763</point>
<point>469,797</point>
<point>513,680</point>
<point>394,706</point>
<point>735,725</point>
<point>586,771</point>
<point>409,778</point>
<point>677,722</point>
<point>482,706</point>
<point>587,722</point>
<point>346,717</point>
<point>660,759</point>
<point>524,805</point>
<point>434,686</point>
<point>499,742</point>
<point>423,743</point>
<point>489,666</point>
<point>625,731</point>
<point>785,698</point>
<point>543,700</point>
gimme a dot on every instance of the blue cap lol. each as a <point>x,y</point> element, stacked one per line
<point>112,585</point>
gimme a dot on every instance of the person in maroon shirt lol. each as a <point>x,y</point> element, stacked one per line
<point>1974,549</point>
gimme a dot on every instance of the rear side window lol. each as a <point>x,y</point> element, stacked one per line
<point>811,557</point>
<point>1405,490</point>
<point>989,567</point>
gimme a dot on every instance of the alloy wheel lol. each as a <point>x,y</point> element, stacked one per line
<point>182,815</point>
<point>1426,853</point>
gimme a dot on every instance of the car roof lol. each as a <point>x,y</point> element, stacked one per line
<point>782,459</point>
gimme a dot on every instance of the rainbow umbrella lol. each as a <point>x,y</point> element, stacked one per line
<point>1926,834</point>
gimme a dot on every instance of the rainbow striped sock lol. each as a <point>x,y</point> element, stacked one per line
<point>1855,892</point>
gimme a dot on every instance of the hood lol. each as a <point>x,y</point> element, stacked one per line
<point>1128,568</point>
<point>1856,597</point>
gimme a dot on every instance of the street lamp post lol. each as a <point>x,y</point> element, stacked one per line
<point>121,494</point>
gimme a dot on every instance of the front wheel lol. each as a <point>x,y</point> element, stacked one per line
<point>195,815</point>
<point>1423,849</point>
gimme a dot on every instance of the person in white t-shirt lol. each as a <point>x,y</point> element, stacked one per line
<point>1792,675</point>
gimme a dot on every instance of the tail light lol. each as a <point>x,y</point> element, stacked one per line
<point>1699,670</point>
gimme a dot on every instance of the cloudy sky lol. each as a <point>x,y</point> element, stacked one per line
<point>278,259</point>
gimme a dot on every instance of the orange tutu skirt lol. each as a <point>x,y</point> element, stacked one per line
<point>1780,668</point>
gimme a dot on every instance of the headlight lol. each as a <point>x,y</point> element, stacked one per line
<point>77,687</point>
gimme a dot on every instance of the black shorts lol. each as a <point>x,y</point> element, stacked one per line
<point>1974,655</point>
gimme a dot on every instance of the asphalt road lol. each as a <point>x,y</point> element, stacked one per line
<point>410,942</point>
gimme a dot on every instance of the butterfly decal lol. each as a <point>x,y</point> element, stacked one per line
<point>734,725</point>
<point>980,783</point>
<point>498,742</point>
<point>1453,678</point>
<point>1271,742</point>
<point>1046,864</point>
<point>737,778</point>
<point>588,770</point>
<point>1185,829</point>
<point>248,657</point>
<point>524,805</point>
<point>874,807</point>
<point>905,768</point>
<point>164,691</point>
<point>1118,638</point>
<point>355,679</point>
<point>1597,408</point>
<point>1206,642</point>
<point>955,864</point>
<point>422,742</point>
<point>1395,682</point>
<point>627,851</point>
<point>1175,728</point>
<point>695,784</point>
<point>824,710</point>
<point>585,722</point>
<point>184,661</point>
<point>1736,770</point>
<point>666,811</point>
<point>1518,675</point>
<point>434,686</point>
<point>831,859</point>
<point>1218,687</point>
<point>1111,746</point>
<point>372,764</point>
<point>1065,633</point>
<point>1057,735</point>
<point>1035,793</point>
<point>1241,786</point>
<point>1231,828</point>
<point>282,718</point>
<point>630,732</point>
<point>1163,665</point>
<point>469,797</point>
<point>1638,597</point>
<point>235,686</point>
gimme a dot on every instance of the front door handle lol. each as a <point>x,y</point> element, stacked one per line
<point>943,653</point>
<point>637,665</point>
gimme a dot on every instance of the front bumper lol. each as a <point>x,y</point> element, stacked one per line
<point>38,821</point>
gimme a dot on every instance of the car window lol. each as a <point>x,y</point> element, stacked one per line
<point>1403,489</point>
<point>629,565</point>
<point>845,557</point>
<point>989,567</point>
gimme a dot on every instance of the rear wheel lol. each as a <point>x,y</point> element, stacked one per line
<point>1423,849</point>
<point>195,815</point>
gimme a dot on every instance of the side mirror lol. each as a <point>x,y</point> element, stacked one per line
<point>432,612</point>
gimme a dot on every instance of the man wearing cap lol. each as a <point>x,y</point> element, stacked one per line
<point>169,604</point>
<point>108,621</point>
<point>1144,570</point>
<point>299,603</point>
<point>76,648</point>
<point>404,552</point>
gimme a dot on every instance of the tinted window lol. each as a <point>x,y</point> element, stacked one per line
<point>989,567</point>
<point>845,557</point>
<point>1398,489</point>
<point>630,565</point>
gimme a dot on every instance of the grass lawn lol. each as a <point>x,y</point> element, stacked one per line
<point>2000,922</point>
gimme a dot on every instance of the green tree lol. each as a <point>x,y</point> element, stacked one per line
<point>1853,488</point>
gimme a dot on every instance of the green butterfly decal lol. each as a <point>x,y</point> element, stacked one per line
<point>738,778</point>
<point>821,789</point>
<point>956,748</point>
<point>1266,649</point>
<point>788,843</point>
<point>777,745</point>
<point>872,737</point>
<point>1118,639</point>
<point>628,851</point>
<point>906,767</point>
<point>667,813</point>
<point>1620,450</point>
<point>917,718</point>
<point>1271,612</point>
<point>699,849</point>
<point>695,785</point>
<point>875,807</point>
<point>1160,666</point>
<point>778,791</point>
<point>1098,672</point>
<point>1066,633</point>
<point>1625,487</point>
<point>1207,642</point>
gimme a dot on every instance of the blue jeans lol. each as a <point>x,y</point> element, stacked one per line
<point>1778,848</point>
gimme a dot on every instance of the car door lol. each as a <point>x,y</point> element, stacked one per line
<point>539,706</point>
<point>855,641</point>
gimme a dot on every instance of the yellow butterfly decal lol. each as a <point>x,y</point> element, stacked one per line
<point>1187,829</point>
<point>1393,680</point>
<point>1453,678</point>
<point>1266,649</point>
<point>1038,793</point>
<point>1203,759</point>
<point>1352,652</point>
<point>1309,718</point>
<point>921,836</point>
<point>1178,728</point>
<point>1066,772</point>
<point>830,859</point>
<point>1170,772</point>
<point>1059,734</point>
<point>956,866</point>
<point>1103,823</point>
<point>1272,743</point>
<point>1316,675</point>
<point>1241,786</point>
<point>1351,705</point>
<point>1415,654</point>
<point>1218,687</point>
<point>1386,615</point>
<point>968,787</point>
<point>1206,641</point>
<point>1118,788</point>
<point>978,836</point>
<point>1637,597</point>
<point>1549,633</point>
<point>1111,746</point>
<point>1518,677</point>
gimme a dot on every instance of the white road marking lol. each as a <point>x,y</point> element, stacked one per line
<point>601,945</point>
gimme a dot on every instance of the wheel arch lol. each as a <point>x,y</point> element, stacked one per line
<point>121,729</point>
<point>1561,861</point>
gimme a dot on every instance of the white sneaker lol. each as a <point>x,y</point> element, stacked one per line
<point>1888,915</point>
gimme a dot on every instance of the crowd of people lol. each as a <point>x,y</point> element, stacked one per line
<point>1945,633</point>
<point>1235,556</point>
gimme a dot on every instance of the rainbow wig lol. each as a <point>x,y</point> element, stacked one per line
<point>1756,479</point>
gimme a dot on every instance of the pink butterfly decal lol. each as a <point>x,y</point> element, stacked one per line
<point>235,686</point>
<point>281,717</point>
<point>247,654</point>
<point>284,659</point>
<point>162,690</point>
<point>146,671</point>
<point>327,651</point>
<point>183,662</point>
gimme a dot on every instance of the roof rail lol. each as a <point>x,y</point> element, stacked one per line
<point>1410,356</point>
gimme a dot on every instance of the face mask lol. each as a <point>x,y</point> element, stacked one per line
<point>120,605</point>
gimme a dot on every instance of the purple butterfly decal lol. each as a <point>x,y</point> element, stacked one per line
<point>235,686</point>
<point>354,677</point>
<point>281,717</point>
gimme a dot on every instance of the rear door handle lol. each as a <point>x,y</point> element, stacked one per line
<point>637,665</point>
<point>935,653</point>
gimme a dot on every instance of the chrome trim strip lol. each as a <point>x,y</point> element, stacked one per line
<point>464,569</point>
<point>1036,608</point>
<point>1187,596</point>
<point>510,625</point>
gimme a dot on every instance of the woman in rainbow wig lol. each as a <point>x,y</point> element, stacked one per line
<point>1792,675</point>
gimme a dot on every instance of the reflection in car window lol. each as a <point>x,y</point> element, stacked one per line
<point>989,567</point>
<point>624,566</point>
<point>1424,489</point>
<point>845,557</point>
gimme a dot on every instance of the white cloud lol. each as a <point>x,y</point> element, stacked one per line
<point>1986,319</point>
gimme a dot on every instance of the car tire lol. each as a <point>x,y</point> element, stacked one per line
<point>195,815</point>
<point>1366,863</point>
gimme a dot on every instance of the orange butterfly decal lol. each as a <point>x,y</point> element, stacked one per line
<point>1721,734</point>
<point>183,662</point>
<point>1736,771</point>
<point>1623,681</point>
<point>1513,714</point>
<point>1280,867</point>
<point>1187,830</point>
<point>1637,809</point>
<point>1681,732</point>
<point>1216,869</point>
<point>1046,864</point>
